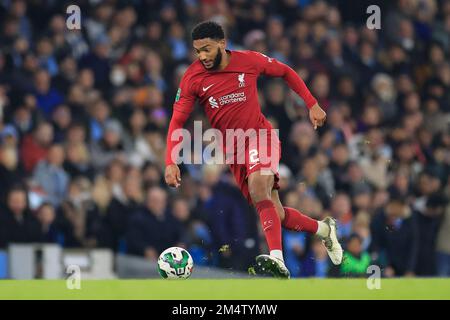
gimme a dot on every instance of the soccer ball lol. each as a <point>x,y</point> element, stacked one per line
<point>175,263</point>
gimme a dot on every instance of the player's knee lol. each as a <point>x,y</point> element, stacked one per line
<point>259,191</point>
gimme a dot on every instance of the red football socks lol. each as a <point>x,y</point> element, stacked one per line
<point>271,223</point>
<point>296,221</point>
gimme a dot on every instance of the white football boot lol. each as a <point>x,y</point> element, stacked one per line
<point>331,242</point>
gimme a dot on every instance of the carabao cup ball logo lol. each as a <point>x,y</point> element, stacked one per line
<point>175,263</point>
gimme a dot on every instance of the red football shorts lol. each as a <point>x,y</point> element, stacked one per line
<point>260,154</point>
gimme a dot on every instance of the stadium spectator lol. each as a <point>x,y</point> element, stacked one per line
<point>79,215</point>
<point>361,227</point>
<point>110,146</point>
<point>50,175</point>
<point>47,218</point>
<point>295,250</point>
<point>195,233</point>
<point>316,263</point>
<point>78,161</point>
<point>47,97</point>
<point>428,221</point>
<point>126,200</point>
<point>395,237</point>
<point>98,61</point>
<point>310,177</point>
<point>11,172</point>
<point>357,260</point>
<point>17,223</point>
<point>153,229</point>
<point>34,147</point>
<point>340,209</point>
<point>61,119</point>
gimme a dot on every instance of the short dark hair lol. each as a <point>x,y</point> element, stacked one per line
<point>208,29</point>
<point>396,197</point>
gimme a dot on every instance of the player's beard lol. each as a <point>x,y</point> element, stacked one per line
<point>217,60</point>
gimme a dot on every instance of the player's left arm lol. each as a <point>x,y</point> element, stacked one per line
<point>274,68</point>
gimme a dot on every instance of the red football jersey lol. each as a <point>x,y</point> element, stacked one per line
<point>229,96</point>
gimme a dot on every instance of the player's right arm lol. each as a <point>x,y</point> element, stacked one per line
<point>182,108</point>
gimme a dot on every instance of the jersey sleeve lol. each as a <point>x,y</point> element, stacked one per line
<point>182,108</point>
<point>186,96</point>
<point>273,68</point>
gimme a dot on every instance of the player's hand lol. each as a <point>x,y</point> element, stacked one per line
<point>317,116</point>
<point>173,176</point>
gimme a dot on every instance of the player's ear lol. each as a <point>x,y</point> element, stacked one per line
<point>222,44</point>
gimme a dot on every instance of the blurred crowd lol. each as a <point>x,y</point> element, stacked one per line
<point>84,115</point>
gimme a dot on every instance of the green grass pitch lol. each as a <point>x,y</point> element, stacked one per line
<point>208,289</point>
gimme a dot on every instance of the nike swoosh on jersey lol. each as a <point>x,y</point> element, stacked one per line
<point>204,89</point>
<point>252,166</point>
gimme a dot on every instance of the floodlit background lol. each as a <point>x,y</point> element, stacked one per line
<point>84,116</point>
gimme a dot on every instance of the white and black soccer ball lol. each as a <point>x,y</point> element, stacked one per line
<point>175,263</point>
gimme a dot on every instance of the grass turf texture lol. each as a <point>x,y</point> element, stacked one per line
<point>248,289</point>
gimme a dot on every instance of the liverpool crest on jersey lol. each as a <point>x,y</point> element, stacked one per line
<point>241,80</point>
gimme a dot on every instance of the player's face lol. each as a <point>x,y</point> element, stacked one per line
<point>209,52</point>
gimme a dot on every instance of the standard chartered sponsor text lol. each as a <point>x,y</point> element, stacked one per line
<point>232,98</point>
